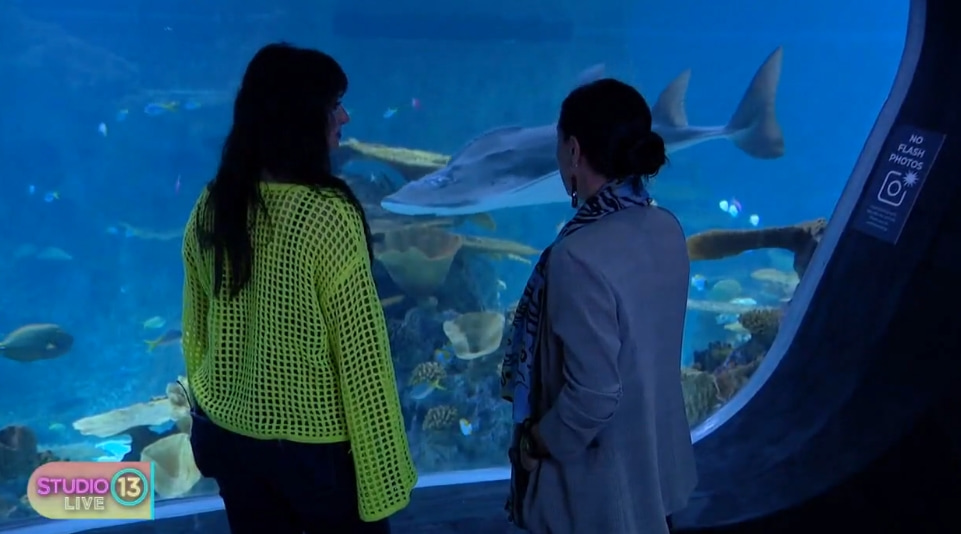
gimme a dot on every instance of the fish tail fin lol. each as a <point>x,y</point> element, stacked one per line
<point>754,128</point>
<point>151,344</point>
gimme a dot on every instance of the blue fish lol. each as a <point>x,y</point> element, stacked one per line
<point>159,108</point>
<point>698,282</point>
<point>726,318</point>
<point>422,390</point>
<point>443,355</point>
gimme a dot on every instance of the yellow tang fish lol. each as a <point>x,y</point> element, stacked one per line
<point>167,338</point>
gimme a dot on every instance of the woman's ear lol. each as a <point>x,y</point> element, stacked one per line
<point>575,150</point>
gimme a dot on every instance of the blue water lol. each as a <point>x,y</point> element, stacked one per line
<point>99,175</point>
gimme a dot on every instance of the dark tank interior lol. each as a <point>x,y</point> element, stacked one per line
<point>826,398</point>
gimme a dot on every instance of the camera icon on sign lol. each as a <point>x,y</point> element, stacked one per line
<point>892,191</point>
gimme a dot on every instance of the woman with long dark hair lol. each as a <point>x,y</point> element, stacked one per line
<point>296,414</point>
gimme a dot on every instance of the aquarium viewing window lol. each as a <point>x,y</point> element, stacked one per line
<point>845,211</point>
<point>118,115</point>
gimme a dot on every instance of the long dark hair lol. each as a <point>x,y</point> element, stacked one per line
<point>282,117</point>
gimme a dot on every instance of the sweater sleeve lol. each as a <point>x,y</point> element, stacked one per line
<point>361,352</point>
<point>196,302</point>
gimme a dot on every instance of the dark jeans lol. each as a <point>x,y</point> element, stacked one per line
<point>281,487</point>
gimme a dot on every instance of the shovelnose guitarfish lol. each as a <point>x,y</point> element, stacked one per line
<point>515,166</point>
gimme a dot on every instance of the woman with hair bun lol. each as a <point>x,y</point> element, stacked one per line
<point>593,366</point>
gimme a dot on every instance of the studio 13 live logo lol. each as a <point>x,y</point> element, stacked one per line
<point>93,490</point>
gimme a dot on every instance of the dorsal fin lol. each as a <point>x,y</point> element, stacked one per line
<point>670,109</point>
<point>591,74</point>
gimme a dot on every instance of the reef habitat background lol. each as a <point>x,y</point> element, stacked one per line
<point>113,114</point>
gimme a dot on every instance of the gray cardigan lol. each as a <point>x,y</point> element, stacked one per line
<point>609,358</point>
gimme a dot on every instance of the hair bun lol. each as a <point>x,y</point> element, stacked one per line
<point>648,154</point>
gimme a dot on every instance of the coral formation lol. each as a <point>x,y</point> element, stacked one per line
<point>725,289</point>
<point>444,315</point>
<point>418,259</point>
<point>432,373</point>
<point>716,307</point>
<point>722,369</point>
<point>701,395</point>
<point>777,283</point>
<point>172,407</point>
<point>731,379</point>
<point>411,163</point>
<point>475,334</point>
<point>19,456</point>
<point>175,472</point>
<point>497,249</point>
<point>709,359</point>
<point>762,325</point>
<point>801,239</point>
<point>440,418</point>
<point>439,268</point>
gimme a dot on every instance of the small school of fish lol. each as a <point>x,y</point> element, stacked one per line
<point>152,109</point>
<point>733,208</point>
<point>48,196</point>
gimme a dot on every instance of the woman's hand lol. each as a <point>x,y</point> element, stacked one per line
<point>532,449</point>
<point>539,441</point>
<point>528,462</point>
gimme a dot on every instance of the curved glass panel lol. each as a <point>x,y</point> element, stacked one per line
<point>113,118</point>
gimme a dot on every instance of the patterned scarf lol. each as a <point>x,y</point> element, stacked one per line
<point>516,370</point>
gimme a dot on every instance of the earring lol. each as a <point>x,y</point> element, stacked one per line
<point>573,183</point>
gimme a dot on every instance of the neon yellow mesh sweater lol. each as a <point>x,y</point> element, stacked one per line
<point>302,353</point>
